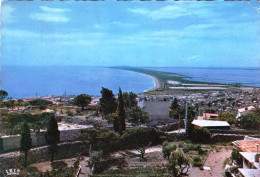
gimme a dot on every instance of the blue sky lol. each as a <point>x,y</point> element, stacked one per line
<point>110,33</point>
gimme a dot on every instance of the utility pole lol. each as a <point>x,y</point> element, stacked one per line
<point>186,114</point>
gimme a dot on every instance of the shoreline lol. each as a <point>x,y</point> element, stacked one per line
<point>166,82</point>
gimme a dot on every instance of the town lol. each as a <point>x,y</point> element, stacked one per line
<point>211,133</point>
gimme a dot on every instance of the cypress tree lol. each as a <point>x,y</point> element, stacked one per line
<point>25,141</point>
<point>52,136</point>
<point>121,112</point>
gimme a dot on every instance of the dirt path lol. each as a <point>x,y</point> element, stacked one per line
<point>215,161</point>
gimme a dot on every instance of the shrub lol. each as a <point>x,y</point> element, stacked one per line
<point>69,113</point>
<point>197,162</point>
<point>167,149</point>
<point>141,136</point>
<point>201,135</point>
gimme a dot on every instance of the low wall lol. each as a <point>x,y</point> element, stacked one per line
<point>171,126</point>
<point>218,137</point>
<point>16,159</point>
<point>12,142</point>
<point>80,121</point>
<point>176,136</point>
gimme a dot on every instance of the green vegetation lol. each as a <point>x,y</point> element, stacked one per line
<point>107,103</point>
<point>141,136</point>
<point>13,122</point>
<point>136,115</point>
<point>94,159</point>
<point>101,140</point>
<point>40,102</point>
<point>201,135</point>
<point>227,116</point>
<point>137,172</point>
<point>236,157</point>
<point>3,95</point>
<point>52,136</point>
<point>178,164</point>
<point>119,119</point>
<point>25,142</point>
<point>82,100</point>
<point>130,99</point>
<point>167,149</point>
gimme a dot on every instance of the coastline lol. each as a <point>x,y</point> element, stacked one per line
<point>170,83</point>
<point>156,83</point>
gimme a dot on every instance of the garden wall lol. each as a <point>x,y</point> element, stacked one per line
<point>40,154</point>
<point>12,142</point>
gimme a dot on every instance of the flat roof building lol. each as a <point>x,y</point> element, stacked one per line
<point>211,124</point>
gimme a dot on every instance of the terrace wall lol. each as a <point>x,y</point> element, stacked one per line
<point>40,154</point>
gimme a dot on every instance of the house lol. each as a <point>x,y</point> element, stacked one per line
<point>249,148</point>
<point>211,124</point>
<point>158,111</point>
<point>209,116</point>
<point>244,111</point>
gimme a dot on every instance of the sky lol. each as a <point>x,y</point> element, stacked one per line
<point>116,33</point>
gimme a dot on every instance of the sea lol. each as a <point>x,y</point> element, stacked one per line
<point>236,76</point>
<point>30,81</point>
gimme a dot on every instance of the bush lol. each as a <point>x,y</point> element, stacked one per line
<point>167,149</point>
<point>197,162</point>
<point>141,136</point>
<point>101,140</point>
<point>69,113</point>
<point>201,135</point>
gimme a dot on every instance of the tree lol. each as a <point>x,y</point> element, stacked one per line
<point>201,135</point>
<point>82,100</point>
<point>130,99</point>
<point>94,159</point>
<point>120,114</point>
<point>136,115</point>
<point>3,95</point>
<point>227,116</point>
<point>20,101</point>
<point>178,164</point>
<point>52,136</point>
<point>168,149</point>
<point>25,141</point>
<point>107,102</point>
<point>235,156</point>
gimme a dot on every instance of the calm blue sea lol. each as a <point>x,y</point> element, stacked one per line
<point>26,81</point>
<point>237,76</point>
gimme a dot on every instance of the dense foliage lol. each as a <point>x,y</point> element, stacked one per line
<point>178,164</point>
<point>119,119</point>
<point>3,95</point>
<point>235,156</point>
<point>40,102</point>
<point>201,135</point>
<point>25,141</point>
<point>101,140</point>
<point>130,99</point>
<point>141,136</point>
<point>107,103</point>
<point>167,149</point>
<point>136,115</point>
<point>52,136</point>
<point>82,100</point>
<point>13,122</point>
<point>227,116</point>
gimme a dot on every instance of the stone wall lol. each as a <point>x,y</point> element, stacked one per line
<point>16,159</point>
<point>12,142</point>
<point>171,126</point>
<point>218,137</point>
<point>79,121</point>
